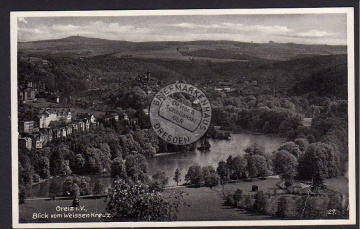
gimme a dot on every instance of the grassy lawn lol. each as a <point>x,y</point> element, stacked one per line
<point>205,204</point>
<point>208,205</point>
<point>339,184</point>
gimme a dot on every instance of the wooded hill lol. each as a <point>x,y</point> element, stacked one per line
<point>76,64</point>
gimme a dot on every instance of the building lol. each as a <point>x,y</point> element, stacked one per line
<point>37,141</point>
<point>80,125</point>
<point>25,143</point>
<point>48,116</point>
<point>69,130</point>
<point>63,134</point>
<point>44,136</point>
<point>75,128</point>
<point>87,116</point>
<point>27,94</point>
<point>26,126</point>
<point>108,116</point>
<point>50,134</point>
<point>56,133</point>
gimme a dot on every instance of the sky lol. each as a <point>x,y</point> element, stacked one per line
<point>259,28</point>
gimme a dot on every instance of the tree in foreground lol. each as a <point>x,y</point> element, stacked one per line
<point>98,188</point>
<point>194,175</point>
<point>211,178</point>
<point>137,202</point>
<point>319,162</point>
<point>224,174</point>
<point>177,176</point>
<point>159,181</point>
<point>285,164</point>
<point>54,189</point>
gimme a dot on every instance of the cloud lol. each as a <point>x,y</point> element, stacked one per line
<point>267,29</point>
<point>236,28</point>
<point>120,29</point>
<point>315,33</point>
<point>195,26</point>
<point>98,29</point>
<point>23,20</point>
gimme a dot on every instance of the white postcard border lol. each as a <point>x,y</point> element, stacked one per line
<point>351,114</point>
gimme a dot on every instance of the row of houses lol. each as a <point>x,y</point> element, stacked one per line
<point>38,138</point>
<point>48,116</point>
<point>37,134</point>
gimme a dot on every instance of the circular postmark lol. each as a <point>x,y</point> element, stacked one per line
<point>180,114</point>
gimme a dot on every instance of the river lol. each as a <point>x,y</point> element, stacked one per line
<point>220,150</point>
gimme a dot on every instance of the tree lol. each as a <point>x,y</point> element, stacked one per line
<point>42,166</point>
<point>302,143</point>
<point>282,207</point>
<point>22,195</point>
<point>224,174</point>
<point>118,168</point>
<point>248,202</point>
<point>56,161</point>
<point>65,167</point>
<point>177,176</point>
<point>26,171</point>
<point>238,195</point>
<point>211,178</point>
<point>261,202</point>
<point>75,192</point>
<point>257,166</point>
<point>67,186</point>
<point>159,181</point>
<point>136,202</point>
<point>194,175</point>
<point>223,171</point>
<point>136,167</point>
<point>319,162</point>
<point>98,188</point>
<point>54,189</point>
<point>84,185</point>
<point>57,165</point>
<point>286,165</point>
<point>238,167</point>
<point>79,163</point>
<point>75,186</point>
<point>291,147</point>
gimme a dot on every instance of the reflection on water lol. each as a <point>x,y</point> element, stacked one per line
<point>220,150</point>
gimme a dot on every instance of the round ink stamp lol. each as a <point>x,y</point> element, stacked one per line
<point>180,114</point>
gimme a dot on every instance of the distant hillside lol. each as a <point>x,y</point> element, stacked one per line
<point>217,51</point>
<point>305,75</point>
<point>77,64</point>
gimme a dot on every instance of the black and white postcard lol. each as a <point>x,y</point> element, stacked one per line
<point>221,117</point>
